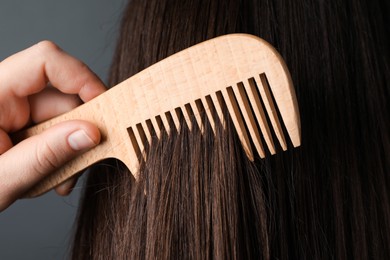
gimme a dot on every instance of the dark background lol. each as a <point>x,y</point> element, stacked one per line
<point>41,228</point>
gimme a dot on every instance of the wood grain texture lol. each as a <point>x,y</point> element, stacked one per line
<point>241,71</point>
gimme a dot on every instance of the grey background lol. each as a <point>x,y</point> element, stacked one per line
<point>41,228</point>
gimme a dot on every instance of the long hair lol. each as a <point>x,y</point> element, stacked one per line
<point>198,196</point>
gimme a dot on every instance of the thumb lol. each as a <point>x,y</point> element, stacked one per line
<point>34,158</point>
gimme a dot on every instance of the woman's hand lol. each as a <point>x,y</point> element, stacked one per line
<point>37,84</point>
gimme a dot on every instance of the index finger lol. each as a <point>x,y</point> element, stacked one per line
<point>28,72</point>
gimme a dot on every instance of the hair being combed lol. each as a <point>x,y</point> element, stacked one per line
<point>198,197</point>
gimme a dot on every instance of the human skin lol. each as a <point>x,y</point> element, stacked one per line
<point>37,84</point>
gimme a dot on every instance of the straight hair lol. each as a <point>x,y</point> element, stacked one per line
<point>198,196</point>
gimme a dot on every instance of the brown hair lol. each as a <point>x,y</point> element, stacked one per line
<point>199,197</point>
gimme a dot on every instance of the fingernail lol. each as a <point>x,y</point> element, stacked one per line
<point>79,140</point>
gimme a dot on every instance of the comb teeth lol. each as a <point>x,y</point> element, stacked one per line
<point>251,107</point>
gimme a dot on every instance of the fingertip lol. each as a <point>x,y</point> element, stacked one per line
<point>92,88</point>
<point>85,137</point>
<point>90,92</point>
<point>65,188</point>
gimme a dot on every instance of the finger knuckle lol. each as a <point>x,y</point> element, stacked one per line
<point>47,158</point>
<point>47,46</point>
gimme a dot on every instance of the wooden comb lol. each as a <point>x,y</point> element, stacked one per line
<point>239,71</point>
